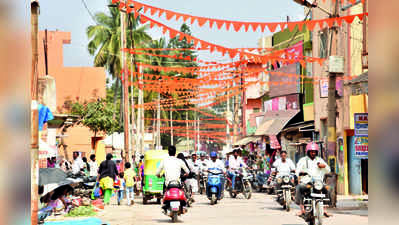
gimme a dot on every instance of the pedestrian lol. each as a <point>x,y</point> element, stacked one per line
<point>107,174</point>
<point>93,166</point>
<point>77,164</point>
<point>119,185</point>
<point>129,176</point>
<point>86,166</point>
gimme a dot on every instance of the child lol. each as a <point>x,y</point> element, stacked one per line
<point>129,178</point>
<point>120,186</point>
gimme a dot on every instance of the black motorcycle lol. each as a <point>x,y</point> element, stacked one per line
<point>241,184</point>
<point>285,190</point>
<point>314,199</point>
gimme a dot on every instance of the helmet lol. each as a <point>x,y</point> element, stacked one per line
<point>202,154</point>
<point>312,146</point>
<point>213,154</point>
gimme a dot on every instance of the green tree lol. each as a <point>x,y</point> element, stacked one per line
<point>97,116</point>
<point>105,41</point>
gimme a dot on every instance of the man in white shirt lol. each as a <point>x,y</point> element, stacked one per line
<point>215,162</point>
<point>313,166</point>
<point>202,162</point>
<point>77,164</point>
<point>93,166</point>
<point>172,167</point>
<point>284,165</point>
<point>235,162</point>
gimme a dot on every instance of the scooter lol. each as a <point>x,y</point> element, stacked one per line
<point>260,182</point>
<point>271,182</point>
<point>174,201</point>
<point>214,185</point>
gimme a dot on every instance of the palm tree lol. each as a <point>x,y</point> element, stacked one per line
<point>105,41</point>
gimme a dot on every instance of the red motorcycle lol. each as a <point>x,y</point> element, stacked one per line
<point>174,201</point>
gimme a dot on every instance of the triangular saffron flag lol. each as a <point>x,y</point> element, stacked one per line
<point>178,15</point>
<point>246,26</point>
<point>169,15</point>
<point>272,26</point>
<point>219,23</point>
<point>192,20</point>
<point>349,19</point>
<point>201,21</point>
<point>227,25</point>
<point>254,26</point>
<point>185,17</point>
<point>210,23</point>
<point>310,24</point>
<point>262,27</point>
<point>329,22</point>
<point>237,26</point>
<point>360,16</point>
<point>291,26</point>
<point>161,12</point>
<point>153,11</point>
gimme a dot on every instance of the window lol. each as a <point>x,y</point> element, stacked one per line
<point>256,110</point>
<point>323,47</point>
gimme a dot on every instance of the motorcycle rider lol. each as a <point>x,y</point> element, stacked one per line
<point>172,167</point>
<point>203,162</point>
<point>215,162</point>
<point>284,165</point>
<point>235,162</point>
<point>315,167</point>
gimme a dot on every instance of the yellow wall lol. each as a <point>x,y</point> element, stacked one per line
<point>308,112</point>
<point>356,105</point>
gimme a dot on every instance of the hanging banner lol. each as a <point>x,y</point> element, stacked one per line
<point>274,144</point>
<point>282,102</point>
<point>362,147</point>
<point>361,124</point>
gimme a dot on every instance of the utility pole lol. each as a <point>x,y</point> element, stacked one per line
<point>187,130</point>
<point>228,141</point>
<point>125,88</point>
<point>34,7</point>
<point>159,122</point>
<point>171,126</point>
<point>140,110</point>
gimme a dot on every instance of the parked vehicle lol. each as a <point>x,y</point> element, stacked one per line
<point>174,201</point>
<point>215,185</point>
<point>285,190</point>
<point>241,184</point>
<point>314,199</point>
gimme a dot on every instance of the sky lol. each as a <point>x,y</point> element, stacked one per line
<point>72,16</point>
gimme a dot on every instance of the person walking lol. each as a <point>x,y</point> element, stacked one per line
<point>130,175</point>
<point>120,187</point>
<point>107,174</point>
<point>93,166</point>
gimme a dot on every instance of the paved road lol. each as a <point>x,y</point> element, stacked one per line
<point>260,209</point>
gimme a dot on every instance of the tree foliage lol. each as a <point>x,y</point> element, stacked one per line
<point>97,116</point>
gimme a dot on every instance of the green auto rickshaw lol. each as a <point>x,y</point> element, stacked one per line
<point>153,185</point>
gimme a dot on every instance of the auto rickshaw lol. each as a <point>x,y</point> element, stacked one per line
<point>153,185</point>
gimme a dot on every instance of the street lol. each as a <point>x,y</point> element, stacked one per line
<point>260,209</point>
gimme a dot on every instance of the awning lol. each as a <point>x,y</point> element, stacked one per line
<point>246,140</point>
<point>302,126</point>
<point>274,122</point>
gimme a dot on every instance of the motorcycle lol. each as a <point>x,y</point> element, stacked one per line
<point>285,189</point>
<point>314,199</point>
<point>174,201</point>
<point>188,191</point>
<point>214,186</point>
<point>242,184</point>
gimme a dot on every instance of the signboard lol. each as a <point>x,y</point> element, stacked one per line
<point>362,147</point>
<point>336,64</point>
<point>274,144</point>
<point>324,88</point>
<point>282,103</point>
<point>361,124</point>
<point>290,83</point>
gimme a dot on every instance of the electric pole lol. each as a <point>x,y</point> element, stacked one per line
<point>187,130</point>
<point>171,126</point>
<point>34,7</point>
<point>125,87</point>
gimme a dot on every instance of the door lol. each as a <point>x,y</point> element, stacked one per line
<point>354,167</point>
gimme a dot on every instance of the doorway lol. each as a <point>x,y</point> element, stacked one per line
<point>365,178</point>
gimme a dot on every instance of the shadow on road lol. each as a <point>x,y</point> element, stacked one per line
<point>166,221</point>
